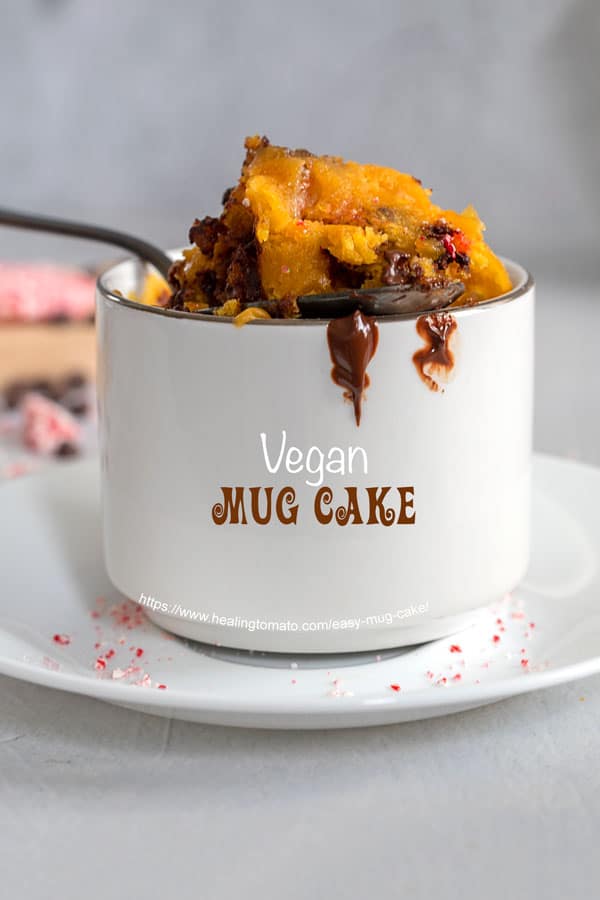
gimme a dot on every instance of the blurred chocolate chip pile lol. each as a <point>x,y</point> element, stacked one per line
<point>71,392</point>
<point>47,411</point>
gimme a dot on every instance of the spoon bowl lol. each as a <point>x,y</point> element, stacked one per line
<point>391,300</point>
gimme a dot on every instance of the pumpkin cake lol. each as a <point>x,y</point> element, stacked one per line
<point>298,224</point>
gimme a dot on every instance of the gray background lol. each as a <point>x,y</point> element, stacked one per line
<point>133,114</point>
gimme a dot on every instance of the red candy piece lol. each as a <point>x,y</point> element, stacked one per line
<point>455,243</point>
<point>461,242</point>
<point>395,687</point>
<point>48,426</point>
<point>62,639</point>
<point>449,246</point>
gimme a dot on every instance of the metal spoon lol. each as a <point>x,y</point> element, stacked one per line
<point>145,251</point>
<point>388,300</point>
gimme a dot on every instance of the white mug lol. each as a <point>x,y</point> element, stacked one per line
<point>243,506</point>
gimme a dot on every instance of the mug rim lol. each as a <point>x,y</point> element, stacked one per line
<point>525,282</point>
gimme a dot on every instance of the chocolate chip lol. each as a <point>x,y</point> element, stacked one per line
<point>14,393</point>
<point>343,275</point>
<point>74,380</point>
<point>45,387</point>
<point>438,230</point>
<point>41,385</point>
<point>397,270</point>
<point>443,261</point>
<point>66,449</point>
<point>77,409</point>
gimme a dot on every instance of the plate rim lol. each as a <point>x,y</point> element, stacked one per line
<point>423,698</point>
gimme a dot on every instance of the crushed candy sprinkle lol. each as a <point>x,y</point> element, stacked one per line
<point>50,663</point>
<point>61,639</point>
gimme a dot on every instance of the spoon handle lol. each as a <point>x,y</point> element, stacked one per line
<point>148,252</point>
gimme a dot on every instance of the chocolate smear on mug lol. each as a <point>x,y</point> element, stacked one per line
<point>352,344</point>
<point>434,362</point>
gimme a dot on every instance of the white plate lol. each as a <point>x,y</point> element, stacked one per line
<point>52,575</point>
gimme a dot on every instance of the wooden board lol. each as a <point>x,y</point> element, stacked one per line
<point>46,351</point>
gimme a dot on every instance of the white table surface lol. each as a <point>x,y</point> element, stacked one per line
<point>502,802</point>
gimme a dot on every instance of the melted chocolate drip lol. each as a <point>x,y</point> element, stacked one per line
<point>436,357</point>
<point>352,344</point>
